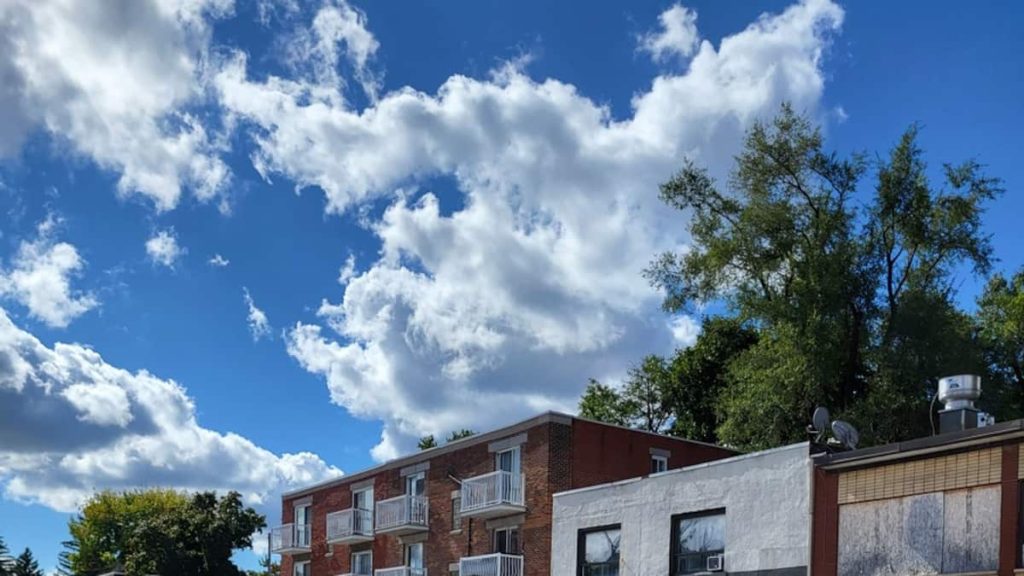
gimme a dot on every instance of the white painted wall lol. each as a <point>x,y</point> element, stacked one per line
<point>766,497</point>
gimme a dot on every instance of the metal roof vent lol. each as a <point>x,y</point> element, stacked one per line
<point>957,394</point>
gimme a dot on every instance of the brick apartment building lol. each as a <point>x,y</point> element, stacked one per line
<point>479,506</point>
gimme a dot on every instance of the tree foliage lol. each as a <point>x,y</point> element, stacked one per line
<point>6,561</point>
<point>846,286</point>
<point>25,565</point>
<point>161,532</point>
<point>427,442</point>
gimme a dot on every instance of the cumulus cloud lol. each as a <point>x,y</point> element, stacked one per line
<point>678,36</point>
<point>259,325</point>
<point>163,248</point>
<point>218,261</point>
<point>71,423</point>
<point>39,278</point>
<point>505,306</point>
<point>120,83</point>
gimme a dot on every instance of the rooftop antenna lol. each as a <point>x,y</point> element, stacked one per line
<point>846,434</point>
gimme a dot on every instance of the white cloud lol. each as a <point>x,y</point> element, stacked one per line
<point>678,36</point>
<point>218,261</point>
<point>348,270</point>
<point>505,306</point>
<point>120,84</point>
<point>338,31</point>
<point>70,423</point>
<point>40,275</point>
<point>685,331</point>
<point>259,325</point>
<point>163,248</point>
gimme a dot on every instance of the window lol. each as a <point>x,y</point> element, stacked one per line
<point>301,569</point>
<point>598,551</point>
<point>695,538</point>
<point>506,541</point>
<point>363,499</point>
<point>508,460</point>
<point>659,464</point>
<point>456,516</point>
<point>301,526</point>
<point>416,484</point>
<point>362,563</point>
<point>414,557</point>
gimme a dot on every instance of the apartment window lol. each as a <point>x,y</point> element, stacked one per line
<point>414,558</point>
<point>598,551</point>
<point>362,563</point>
<point>508,460</point>
<point>416,484</point>
<point>506,541</point>
<point>363,499</point>
<point>456,516</point>
<point>695,538</point>
<point>658,464</point>
<point>301,569</point>
<point>301,526</point>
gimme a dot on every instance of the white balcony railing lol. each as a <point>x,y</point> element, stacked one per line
<point>496,489</point>
<point>400,571</point>
<point>491,565</point>
<point>289,538</point>
<point>404,512</point>
<point>351,524</point>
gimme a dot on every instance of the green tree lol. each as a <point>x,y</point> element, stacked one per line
<point>643,402</point>
<point>459,434</point>
<point>427,442</point>
<point>700,375</point>
<point>1000,328</point>
<point>602,403</point>
<point>25,565</point>
<point>161,532</point>
<point>5,559</point>
<point>854,308</point>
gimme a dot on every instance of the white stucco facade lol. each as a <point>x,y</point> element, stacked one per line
<point>766,497</point>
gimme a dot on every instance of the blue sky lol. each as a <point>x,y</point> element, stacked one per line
<point>283,240</point>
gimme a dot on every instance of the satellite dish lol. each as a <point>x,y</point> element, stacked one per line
<point>846,434</point>
<point>820,419</point>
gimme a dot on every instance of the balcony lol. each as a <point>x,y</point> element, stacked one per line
<point>400,571</point>
<point>350,526</point>
<point>491,565</point>
<point>491,495</point>
<point>402,516</point>
<point>290,539</point>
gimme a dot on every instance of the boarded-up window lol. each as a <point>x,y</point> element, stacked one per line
<point>951,532</point>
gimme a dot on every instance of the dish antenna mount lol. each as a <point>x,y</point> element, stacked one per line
<point>843,434</point>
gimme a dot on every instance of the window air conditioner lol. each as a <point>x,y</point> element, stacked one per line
<point>716,563</point>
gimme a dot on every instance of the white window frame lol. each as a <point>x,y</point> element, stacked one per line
<point>659,462</point>
<point>410,482</point>
<point>297,568</point>
<point>362,553</point>
<point>517,459</point>
<point>369,498</point>
<point>408,555</point>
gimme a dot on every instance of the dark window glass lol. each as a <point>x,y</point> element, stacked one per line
<point>599,551</point>
<point>506,541</point>
<point>658,464</point>
<point>695,538</point>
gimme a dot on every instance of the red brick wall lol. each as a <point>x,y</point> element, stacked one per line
<point>1010,492</point>
<point>825,524</point>
<point>602,454</point>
